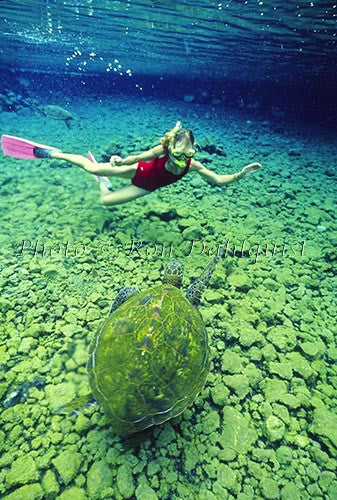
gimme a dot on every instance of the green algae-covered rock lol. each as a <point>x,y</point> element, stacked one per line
<point>28,492</point>
<point>274,428</point>
<point>313,349</point>
<point>282,337</point>
<point>299,364</point>
<point>125,483</point>
<point>191,458</point>
<point>324,427</point>
<point>211,422</point>
<point>205,494</point>
<point>145,492</point>
<point>284,370</point>
<point>227,477</point>
<point>240,280</point>
<point>290,401</point>
<point>73,493</point>
<point>23,471</point>
<point>290,492</point>
<point>50,484</point>
<point>253,374</point>
<point>239,384</point>
<point>219,394</point>
<point>60,395</point>
<point>332,491</point>
<point>82,423</point>
<point>326,478</point>
<point>99,477</point>
<point>273,389</point>
<point>300,440</point>
<point>231,362</point>
<point>237,435</point>
<point>269,488</point>
<point>67,464</point>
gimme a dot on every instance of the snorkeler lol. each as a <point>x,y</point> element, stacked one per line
<point>160,166</point>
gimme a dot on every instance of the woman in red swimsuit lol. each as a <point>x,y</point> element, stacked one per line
<point>153,169</point>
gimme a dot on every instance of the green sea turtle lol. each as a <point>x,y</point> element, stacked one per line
<point>150,359</point>
<point>57,113</point>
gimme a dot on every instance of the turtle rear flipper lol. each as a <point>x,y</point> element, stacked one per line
<point>69,122</point>
<point>135,439</point>
<point>76,405</point>
<point>122,296</point>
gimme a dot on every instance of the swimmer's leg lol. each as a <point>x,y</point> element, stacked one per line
<point>123,195</point>
<point>78,160</point>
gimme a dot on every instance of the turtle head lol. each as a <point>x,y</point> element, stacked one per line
<point>173,273</point>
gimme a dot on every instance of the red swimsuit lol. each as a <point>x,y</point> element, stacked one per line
<point>152,174</point>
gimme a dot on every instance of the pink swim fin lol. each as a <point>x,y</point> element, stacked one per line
<point>98,178</point>
<point>23,148</point>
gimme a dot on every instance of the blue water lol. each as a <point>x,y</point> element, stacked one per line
<point>255,82</point>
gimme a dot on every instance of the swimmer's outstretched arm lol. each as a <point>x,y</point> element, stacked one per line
<point>117,161</point>
<point>222,180</point>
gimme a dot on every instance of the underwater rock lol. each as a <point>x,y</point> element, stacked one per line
<point>211,422</point>
<point>284,455</point>
<point>324,427</point>
<point>290,492</point>
<point>300,365</point>
<point>237,435</point>
<point>73,493</point>
<point>274,428</point>
<point>283,370</point>
<point>313,349</point>
<point>239,384</point>
<point>113,147</point>
<point>219,394</point>
<point>99,477</point>
<point>50,484</point>
<point>125,483</point>
<point>67,464</point>
<point>145,492</point>
<point>240,281</point>
<point>226,479</point>
<point>60,395</point>
<point>210,146</point>
<point>273,389</point>
<point>28,492</point>
<point>282,337</point>
<point>27,344</point>
<point>269,488</point>
<point>231,362</point>
<point>23,471</point>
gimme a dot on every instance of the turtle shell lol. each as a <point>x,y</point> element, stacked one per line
<point>150,359</point>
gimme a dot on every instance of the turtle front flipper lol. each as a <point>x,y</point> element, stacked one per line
<point>122,296</point>
<point>195,290</point>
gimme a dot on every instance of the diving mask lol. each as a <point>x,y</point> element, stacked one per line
<point>180,158</point>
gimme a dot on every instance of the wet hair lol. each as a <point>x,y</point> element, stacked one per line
<point>177,135</point>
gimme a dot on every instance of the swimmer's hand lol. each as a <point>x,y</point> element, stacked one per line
<point>116,161</point>
<point>249,169</point>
